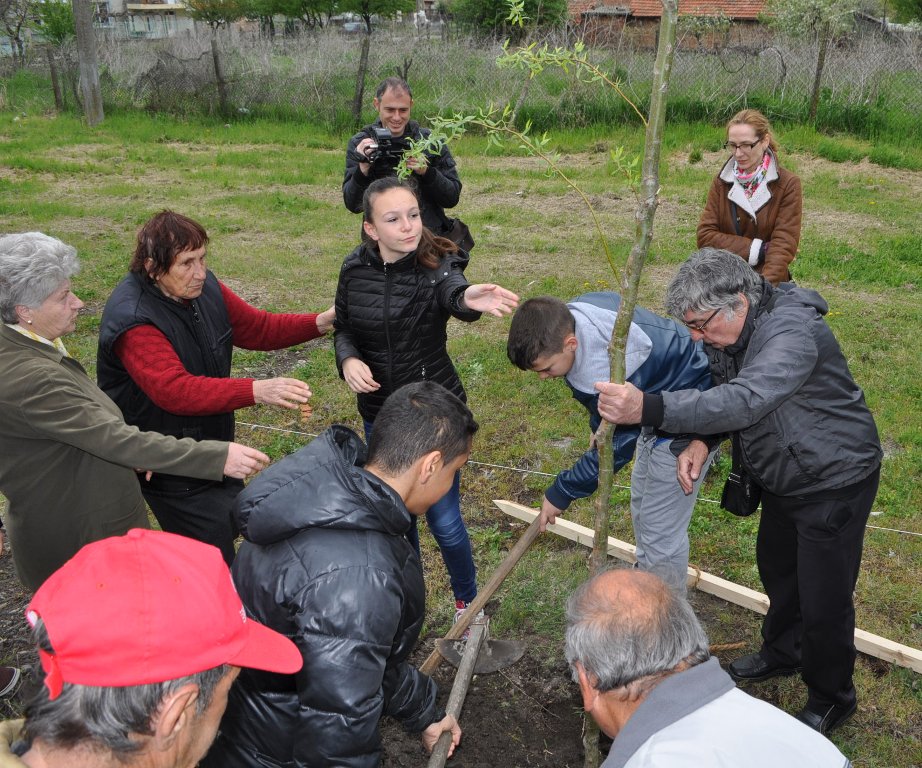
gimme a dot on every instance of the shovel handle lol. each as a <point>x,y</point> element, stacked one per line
<point>459,691</point>
<point>505,568</point>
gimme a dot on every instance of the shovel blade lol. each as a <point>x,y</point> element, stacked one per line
<point>494,654</point>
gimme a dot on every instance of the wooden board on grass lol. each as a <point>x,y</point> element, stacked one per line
<point>873,645</point>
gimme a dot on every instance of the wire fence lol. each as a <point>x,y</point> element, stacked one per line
<point>871,83</point>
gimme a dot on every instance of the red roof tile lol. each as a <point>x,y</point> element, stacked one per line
<point>734,9</point>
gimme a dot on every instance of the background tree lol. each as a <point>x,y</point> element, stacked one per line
<point>313,13</point>
<point>217,14</point>
<point>820,21</point>
<point>14,15</point>
<point>56,22</point>
<point>907,10</point>
<point>369,9</point>
<point>492,16</point>
<point>86,56</point>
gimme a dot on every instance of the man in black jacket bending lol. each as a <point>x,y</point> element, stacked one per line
<point>369,157</point>
<point>327,563</point>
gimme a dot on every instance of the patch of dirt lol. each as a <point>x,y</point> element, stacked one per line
<point>524,715</point>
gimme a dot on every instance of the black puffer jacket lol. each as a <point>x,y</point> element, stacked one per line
<point>438,188</point>
<point>393,318</point>
<point>326,562</point>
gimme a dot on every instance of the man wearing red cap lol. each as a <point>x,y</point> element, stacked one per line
<point>140,638</point>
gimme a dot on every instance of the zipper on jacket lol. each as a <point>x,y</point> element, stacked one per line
<point>387,328</point>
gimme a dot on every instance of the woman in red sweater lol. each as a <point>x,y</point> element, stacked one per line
<point>165,346</point>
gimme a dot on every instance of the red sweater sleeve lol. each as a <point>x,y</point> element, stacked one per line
<point>155,367</point>
<point>258,329</point>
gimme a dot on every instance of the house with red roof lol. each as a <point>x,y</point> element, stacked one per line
<point>704,24</point>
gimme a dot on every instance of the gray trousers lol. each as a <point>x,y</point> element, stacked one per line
<point>660,510</point>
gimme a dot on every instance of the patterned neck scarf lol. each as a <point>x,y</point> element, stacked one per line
<point>750,181</point>
<point>56,343</point>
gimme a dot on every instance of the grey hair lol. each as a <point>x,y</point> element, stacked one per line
<point>711,279</point>
<point>628,639</point>
<point>32,267</point>
<point>108,718</point>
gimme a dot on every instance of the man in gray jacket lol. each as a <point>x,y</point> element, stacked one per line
<point>805,437</point>
<point>641,659</point>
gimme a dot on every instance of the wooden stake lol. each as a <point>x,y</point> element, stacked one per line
<point>873,645</point>
<point>459,691</point>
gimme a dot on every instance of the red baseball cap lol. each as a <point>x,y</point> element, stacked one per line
<point>148,607</point>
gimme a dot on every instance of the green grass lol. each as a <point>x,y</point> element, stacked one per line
<point>269,195</point>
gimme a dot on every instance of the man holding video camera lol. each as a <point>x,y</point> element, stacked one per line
<point>374,152</point>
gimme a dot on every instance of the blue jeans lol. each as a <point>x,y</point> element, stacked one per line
<point>450,533</point>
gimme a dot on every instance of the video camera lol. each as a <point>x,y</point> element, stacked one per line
<point>386,148</point>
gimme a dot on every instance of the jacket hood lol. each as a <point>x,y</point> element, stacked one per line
<point>322,485</point>
<point>367,255</point>
<point>789,296</point>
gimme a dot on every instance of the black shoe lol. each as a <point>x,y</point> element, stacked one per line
<point>754,669</point>
<point>826,718</point>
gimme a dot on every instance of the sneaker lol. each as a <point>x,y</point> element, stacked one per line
<point>10,677</point>
<point>460,608</point>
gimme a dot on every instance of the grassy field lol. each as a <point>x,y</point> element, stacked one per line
<point>269,196</point>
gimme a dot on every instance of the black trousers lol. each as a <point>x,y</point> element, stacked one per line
<point>200,511</point>
<point>808,552</point>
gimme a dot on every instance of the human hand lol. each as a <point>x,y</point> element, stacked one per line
<point>325,320</point>
<point>548,514</point>
<point>491,298</point>
<point>358,376</point>
<point>362,149</point>
<point>243,461</point>
<point>288,393</point>
<point>147,475</point>
<point>418,164</point>
<point>431,735</point>
<point>689,463</point>
<point>619,403</point>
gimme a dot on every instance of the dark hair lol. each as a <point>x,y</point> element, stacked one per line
<point>431,247</point>
<point>162,239</point>
<point>397,84</point>
<point>106,717</point>
<point>415,420</point>
<point>538,328</point>
<point>632,635</point>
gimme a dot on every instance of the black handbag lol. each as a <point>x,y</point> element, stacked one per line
<point>741,495</point>
<point>460,235</point>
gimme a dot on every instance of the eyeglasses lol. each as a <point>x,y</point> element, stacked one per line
<point>750,145</point>
<point>696,326</point>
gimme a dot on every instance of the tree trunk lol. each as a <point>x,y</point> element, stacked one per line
<point>818,75</point>
<point>219,75</point>
<point>360,80</point>
<point>86,55</point>
<point>630,277</point>
<point>55,80</point>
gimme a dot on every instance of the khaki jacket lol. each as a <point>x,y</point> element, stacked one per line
<point>67,458</point>
<point>773,214</point>
<point>10,731</point>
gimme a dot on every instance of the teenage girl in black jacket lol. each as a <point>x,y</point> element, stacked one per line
<point>396,293</point>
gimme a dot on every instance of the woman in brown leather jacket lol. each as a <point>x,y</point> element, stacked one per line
<point>754,206</point>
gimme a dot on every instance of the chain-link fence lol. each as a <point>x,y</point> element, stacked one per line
<point>871,84</point>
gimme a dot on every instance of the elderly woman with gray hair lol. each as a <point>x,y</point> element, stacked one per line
<point>68,456</point>
<point>806,438</point>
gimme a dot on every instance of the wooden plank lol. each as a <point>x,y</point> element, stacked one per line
<point>873,645</point>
